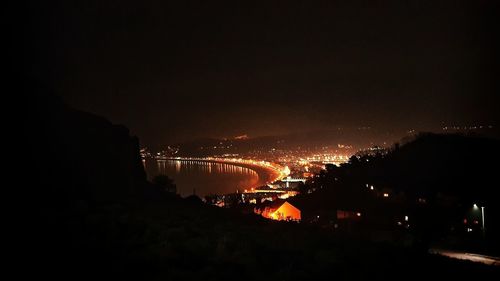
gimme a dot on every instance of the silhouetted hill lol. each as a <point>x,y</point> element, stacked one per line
<point>80,177</point>
<point>435,179</point>
<point>80,155</point>
<point>459,165</point>
<point>356,138</point>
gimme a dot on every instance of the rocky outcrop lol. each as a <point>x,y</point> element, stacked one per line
<point>77,156</point>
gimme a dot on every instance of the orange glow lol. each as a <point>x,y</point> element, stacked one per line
<point>307,175</point>
<point>342,215</point>
<point>285,212</point>
<point>286,170</point>
<point>274,216</point>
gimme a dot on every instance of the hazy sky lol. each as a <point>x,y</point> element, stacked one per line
<point>177,70</point>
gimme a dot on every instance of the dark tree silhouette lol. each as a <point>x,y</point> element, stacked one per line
<point>166,183</point>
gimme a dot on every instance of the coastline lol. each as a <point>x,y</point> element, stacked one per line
<point>267,172</point>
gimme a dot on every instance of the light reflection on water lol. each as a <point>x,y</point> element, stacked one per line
<point>203,178</point>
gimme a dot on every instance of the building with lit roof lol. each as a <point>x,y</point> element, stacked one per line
<point>284,211</point>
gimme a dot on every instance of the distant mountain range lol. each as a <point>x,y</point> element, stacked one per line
<point>346,139</point>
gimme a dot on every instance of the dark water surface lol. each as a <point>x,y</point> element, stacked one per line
<point>203,177</point>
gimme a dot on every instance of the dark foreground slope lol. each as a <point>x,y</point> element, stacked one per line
<point>431,187</point>
<point>88,212</point>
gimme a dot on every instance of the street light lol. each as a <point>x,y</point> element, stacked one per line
<point>475,207</point>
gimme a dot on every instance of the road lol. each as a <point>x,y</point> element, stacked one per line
<point>467,256</point>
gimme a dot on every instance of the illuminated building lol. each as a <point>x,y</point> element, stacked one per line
<point>285,211</point>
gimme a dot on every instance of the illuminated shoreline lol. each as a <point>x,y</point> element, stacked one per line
<point>273,171</point>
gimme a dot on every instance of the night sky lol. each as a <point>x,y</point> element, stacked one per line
<point>173,71</point>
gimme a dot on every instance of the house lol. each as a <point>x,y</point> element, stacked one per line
<point>285,211</point>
